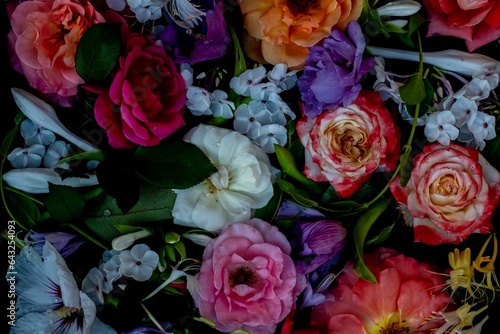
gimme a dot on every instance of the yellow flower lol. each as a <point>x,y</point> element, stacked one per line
<point>281,31</point>
<point>463,272</point>
<point>489,268</point>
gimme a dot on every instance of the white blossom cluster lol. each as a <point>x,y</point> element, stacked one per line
<point>137,263</point>
<point>454,115</point>
<point>41,148</point>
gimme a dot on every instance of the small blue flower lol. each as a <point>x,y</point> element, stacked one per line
<point>35,134</point>
<point>139,262</point>
<point>243,84</point>
<point>267,135</point>
<point>55,152</point>
<point>30,157</point>
<point>220,106</point>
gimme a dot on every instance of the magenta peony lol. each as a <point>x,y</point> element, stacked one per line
<point>145,102</point>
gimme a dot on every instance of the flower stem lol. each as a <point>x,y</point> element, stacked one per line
<point>88,236</point>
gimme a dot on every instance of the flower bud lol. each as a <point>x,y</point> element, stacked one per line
<point>450,60</point>
<point>36,180</point>
<point>399,8</point>
<point>125,241</point>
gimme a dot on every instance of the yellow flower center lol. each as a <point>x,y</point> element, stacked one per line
<point>349,140</point>
<point>446,185</point>
<point>395,328</point>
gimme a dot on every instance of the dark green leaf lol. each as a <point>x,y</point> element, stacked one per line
<point>381,237</point>
<point>239,56</point>
<point>11,137</point>
<point>64,204</point>
<point>92,155</point>
<point>413,92</point>
<point>289,167</point>
<point>360,232</point>
<point>492,151</point>
<point>344,205</point>
<point>120,181</point>
<point>173,164</point>
<point>406,168</point>
<point>268,212</point>
<point>98,51</point>
<point>391,28</point>
<point>155,204</point>
<point>300,196</point>
<point>24,211</point>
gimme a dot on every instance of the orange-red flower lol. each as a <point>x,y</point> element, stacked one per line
<point>284,29</point>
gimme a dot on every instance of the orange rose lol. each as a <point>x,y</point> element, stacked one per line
<point>285,29</point>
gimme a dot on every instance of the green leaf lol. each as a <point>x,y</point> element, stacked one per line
<point>391,28</point>
<point>173,164</point>
<point>382,236</point>
<point>64,203</point>
<point>98,51</point>
<point>406,168</point>
<point>289,167</point>
<point>300,196</point>
<point>11,137</point>
<point>93,155</point>
<point>155,204</point>
<point>268,212</point>
<point>172,237</point>
<point>361,229</point>
<point>413,92</point>
<point>126,229</point>
<point>181,249</point>
<point>24,211</point>
<point>492,151</point>
<point>239,57</point>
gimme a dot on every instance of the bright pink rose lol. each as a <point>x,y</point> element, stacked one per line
<point>247,278</point>
<point>402,301</point>
<point>44,37</point>
<point>145,102</point>
<point>452,193</point>
<point>347,145</point>
<point>475,21</point>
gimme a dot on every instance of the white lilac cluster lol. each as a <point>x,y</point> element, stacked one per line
<point>454,115</point>
<point>183,12</point>
<point>137,263</point>
<point>263,118</point>
<point>41,148</point>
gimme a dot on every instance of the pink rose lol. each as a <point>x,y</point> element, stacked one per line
<point>44,37</point>
<point>403,301</point>
<point>247,278</point>
<point>452,193</point>
<point>145,102</point>
<point>347,145</point>
<point>475,21</point>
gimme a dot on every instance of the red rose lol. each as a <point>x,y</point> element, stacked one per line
<point>475,21</point>
<point>145,102</point>
<point>452,193</point>
<point>347,145</point>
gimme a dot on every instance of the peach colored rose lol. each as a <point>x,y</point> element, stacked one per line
<point>475,21</point>
<point>247,278</point>
<point>283,30</point>
<point>145,102</point>
<point>452,192</point>
<point>44,38</point>
<point>403,301</point>
<point>347,145</point>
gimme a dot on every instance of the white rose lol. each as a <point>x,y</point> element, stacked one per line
<point>241,184</point>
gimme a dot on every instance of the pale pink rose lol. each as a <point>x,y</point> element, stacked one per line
<point>145,102</point>
<point>475,21</point>
<point>247,278</point>
<point>453,192</point>
<point>405,297</point>
<point>43,41</point>
<point>347,145</point>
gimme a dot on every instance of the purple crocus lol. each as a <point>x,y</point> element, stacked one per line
<point>316,240</point>
<point>65,243</point>
<point>333,71</point>
<point>206,41</point>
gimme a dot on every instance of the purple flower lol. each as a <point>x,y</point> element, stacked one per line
<point>207,40</point>
<point>316,240</point>
<point>333,71</point>
<point>64,243</point>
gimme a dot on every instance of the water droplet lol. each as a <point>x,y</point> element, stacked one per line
<point>218,144</point>
<point>106,213</point>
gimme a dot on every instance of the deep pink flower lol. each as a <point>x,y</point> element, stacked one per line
<point>145,102</point>
<point>452,192</point>
<point>475,21</point>
<point>43,41</point>
<point>402,301</point>
<point>247,279</point>
<point>345,146</point>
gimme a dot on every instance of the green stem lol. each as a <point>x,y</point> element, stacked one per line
<point>34,199</point>
<point>112,301</point>
<point>92,194</point>
<point>153,319</point>
<point>88,236</point>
